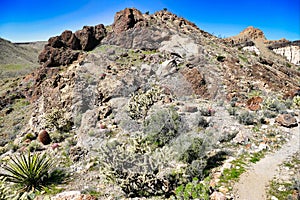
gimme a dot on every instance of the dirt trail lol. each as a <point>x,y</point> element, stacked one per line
<point>252,184</point>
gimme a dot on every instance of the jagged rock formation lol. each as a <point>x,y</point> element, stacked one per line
<point>60,49</point>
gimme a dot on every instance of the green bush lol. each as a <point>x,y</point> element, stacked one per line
<point>161,127</point>
<point>246,118</point>
<point>30,172</point>
<point>195,151</point>
<point>193,190</point>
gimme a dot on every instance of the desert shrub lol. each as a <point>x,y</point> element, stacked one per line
<point>206,111</point>
<point>202,122</point>
<point>35,146</point>
<point>30,136</point>
<point>58,137</point>
<point>195,151</point>
<point>246,118</point>
<point>30,172</point>
<point>273,104</point>
<point>162,126</point>
<point>232,111</point>
<point>269,114</point>
<point>138,170</point>
<point>196,169</point>
<point>193,190</point>
<point>296,101</point>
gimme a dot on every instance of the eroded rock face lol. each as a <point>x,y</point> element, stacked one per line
<point>292,53</point>
<point>60,49</point>
<point>126,19</point>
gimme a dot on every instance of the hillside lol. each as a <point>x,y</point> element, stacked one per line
<point>18,59</point>
<point>150,107</point>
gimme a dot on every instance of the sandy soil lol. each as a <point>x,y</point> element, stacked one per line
<point>252,184</point>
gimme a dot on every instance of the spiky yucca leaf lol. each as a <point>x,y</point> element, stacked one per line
<point>29,171</point>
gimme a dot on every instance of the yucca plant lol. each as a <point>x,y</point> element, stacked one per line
<point>31,172</point>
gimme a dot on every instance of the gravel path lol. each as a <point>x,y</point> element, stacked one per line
<point>252,184</point>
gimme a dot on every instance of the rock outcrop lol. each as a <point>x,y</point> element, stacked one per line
<point>60,49</point>
<point>292,53</point>
<point>246,37</point>
<point>126,19</point>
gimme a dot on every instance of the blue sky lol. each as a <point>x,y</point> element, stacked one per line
<point>33,20</point>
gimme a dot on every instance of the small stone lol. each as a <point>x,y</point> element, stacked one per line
<point>274,198</point>
<point>287,120</point>
<point>223,189</point>
<point>217,196</point>
<point>190,109</point>
<point>262,146</point>
<point>102,126</point>
<point>227,165</point>
<point>55,146</point>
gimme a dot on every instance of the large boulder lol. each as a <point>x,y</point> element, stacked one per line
<point>90,36</point>
<point>52,57</point>
<point>126,19</point>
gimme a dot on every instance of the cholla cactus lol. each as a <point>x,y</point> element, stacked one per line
<point>140,102</point>
<point>57,119</point>
<point>137,169</point>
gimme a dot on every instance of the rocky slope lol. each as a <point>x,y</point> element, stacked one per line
<point>141,107</point>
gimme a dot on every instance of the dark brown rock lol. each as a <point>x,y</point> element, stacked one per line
<point>70,40</point>
<point>287,120</point>
<point>90,36</point>
<point>196,79</point>
<point>52,57</point>
<point>55,42</point>
<point>126,19</point>
<point>44,137</point>
<point>254,103</point>
<point>59,50</point>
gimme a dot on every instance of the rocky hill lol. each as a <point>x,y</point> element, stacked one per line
<point>151,106</point>
<point>254,40</point>
<point>18,58</point>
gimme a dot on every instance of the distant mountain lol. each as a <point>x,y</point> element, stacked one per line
<point>18,58</point>
<point>254,39</point>
<point>149,107</point>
